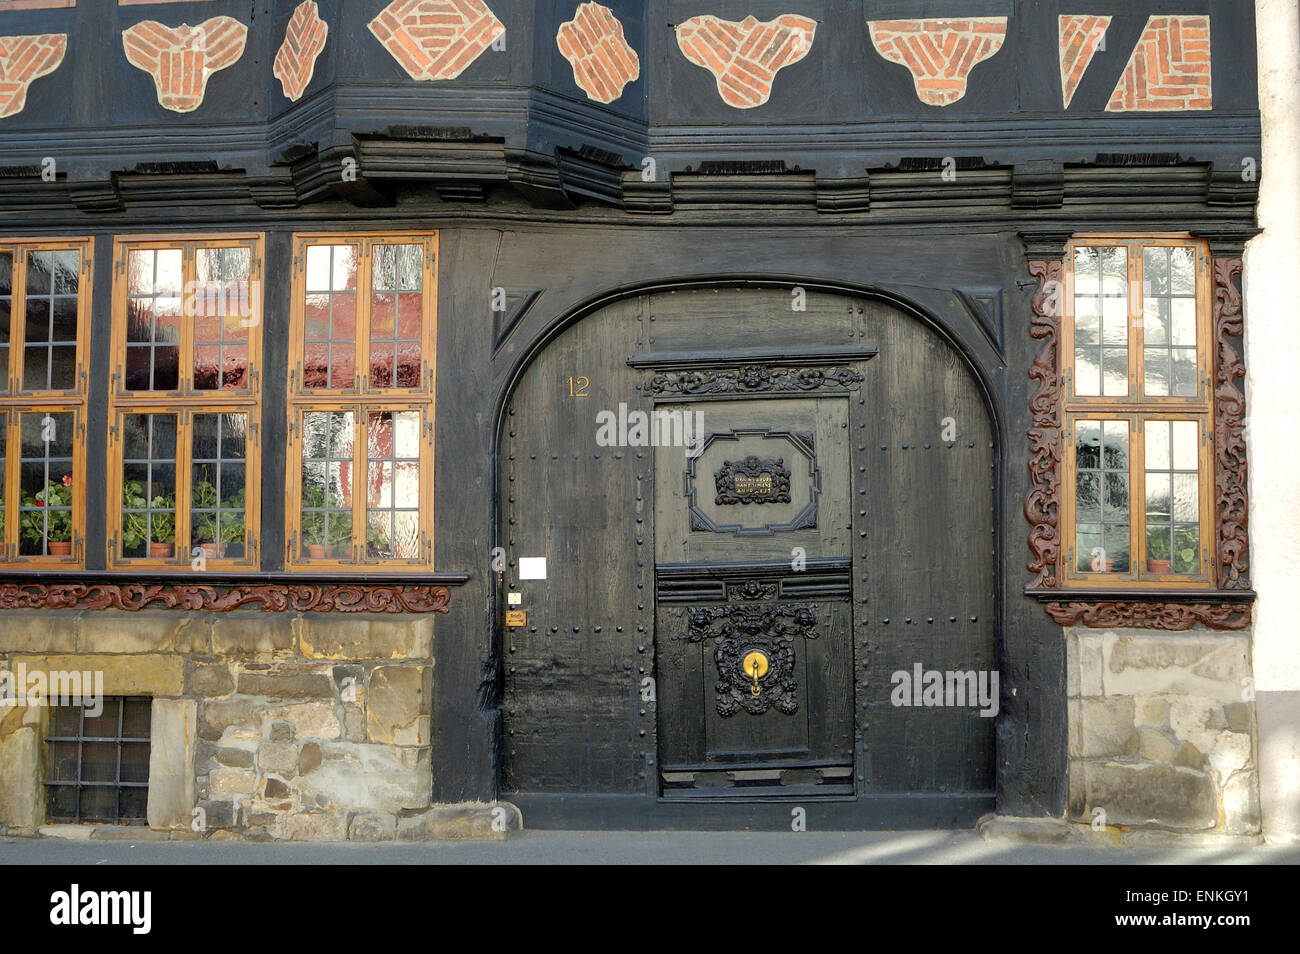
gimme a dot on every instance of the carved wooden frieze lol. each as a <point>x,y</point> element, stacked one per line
<point>273,598</point>
<point>752,480</point>
<point>755,380</point>
<point>1043,504</point>
<point>1148,615</point>
<point>767,629</point>
<point>1231,546</point>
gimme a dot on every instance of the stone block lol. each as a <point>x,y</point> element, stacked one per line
<point>21,798</point>
<point>281,731</point>
<point>372,827</point>
<point>1240,798</point>
<point>117,631</point>
<point>1155,746</point>
<point>1004,829</point>
<point>275,788</point>
<point>228,712</point>
<point>398,703</point>
<point>1188,756</point>
<point>308,720</point>
<point>1152,711</point>
<point>1142,794</point>
<point>288,682</point>
<point>171,763</point>
<point>278,757</point>
<point>1196,720</point>
<point>235,758</point>
<point>232,782</point>
<point>369,778</point>
<point>246,634</point>
<point>41,631</point>
<point>1091,663</point>
<point>367,637</point>
<point>312,826</point>
<point>1210,666</point>
<point>309,758</point>
<point>1239,716</point>
<point>1107,727</point>
<point>151,674</point>
<point>476,822</point>
<point>209,680</point>
<point>354,723</point>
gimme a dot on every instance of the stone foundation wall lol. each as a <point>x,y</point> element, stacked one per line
<point>1162,730</point>
<point>272,726</point>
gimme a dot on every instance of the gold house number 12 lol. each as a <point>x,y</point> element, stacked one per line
<point>578,386</point>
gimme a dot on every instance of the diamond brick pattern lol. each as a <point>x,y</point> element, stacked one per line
<point>181,59</point>
<point>436,39</point>
<point>744,57</point>
<point>1169,69</point>
<point>304,39</point>
<point>939,53</point>
<point>24,59</point>
<point>593,43</point>
<point>1081,37</point>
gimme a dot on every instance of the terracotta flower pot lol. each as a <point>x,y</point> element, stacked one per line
<point>210,550</point>
<point>316,551</point>
<point>1102,566</point>
<point>160,551</point>
<point>60,547</point>
<point>1160,566</point>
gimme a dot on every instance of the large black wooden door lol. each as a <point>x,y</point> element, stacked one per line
<point>835,530</point>
<point>752,634</point>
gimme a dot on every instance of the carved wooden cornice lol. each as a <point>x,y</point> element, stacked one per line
<point>1043,504</point>
<point>1150,615</point>
<point>274,598</point>
<point>1230,507</point>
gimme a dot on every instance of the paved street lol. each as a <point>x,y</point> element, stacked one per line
<point>611,848</point>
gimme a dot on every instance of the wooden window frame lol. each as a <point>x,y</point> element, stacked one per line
<point>14,401</point>
<point>186,402</point>
<point>1136,408</point>
<point>361,399</point>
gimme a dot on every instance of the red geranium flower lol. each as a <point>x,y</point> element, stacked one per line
<point>67,481</point>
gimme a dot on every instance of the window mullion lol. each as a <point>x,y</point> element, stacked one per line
<point>18,318</point>
<point>365,281</point>
<point>1138,497</point>
<point>184,425</point>
<point>360,481</point>
<point>1137,329</point>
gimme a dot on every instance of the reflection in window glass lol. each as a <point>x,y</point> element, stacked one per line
<point>153,319</point>
<point>219,444</point>
<point>1102,496</point>
<point>396,316</point>
<point>45,484</point>
<point>393,485</point>
<point>1101,321</point>
<point>1173,497</point>
<point>326,506</point>
<point>6,310</point>
<point>1169,321</point>
<point>330,329</point>
<point>222,306</point>
<point>148,485</point>
<point>50,343</point>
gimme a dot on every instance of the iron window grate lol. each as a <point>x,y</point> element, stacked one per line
<point>99,765</point>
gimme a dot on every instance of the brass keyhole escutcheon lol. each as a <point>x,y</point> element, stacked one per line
<point>755,666</point>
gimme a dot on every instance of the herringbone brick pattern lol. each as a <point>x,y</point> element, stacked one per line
<point>593,43</point>
<point>1081,38</point>
<point>1169,69</point>
<point>939,53</point>
<point>304,39</point>
<point>24,59</point>
<point>436,39</point>
<point>181,59</point>
<point>744,57</point>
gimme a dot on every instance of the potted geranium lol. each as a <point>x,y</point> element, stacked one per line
<point>313,521</point>
<point>164,527</point>
<point>232,530</point>
<point>1158,560</point>
<point>48,524</point>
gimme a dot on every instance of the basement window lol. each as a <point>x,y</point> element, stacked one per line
<point>99,763</point>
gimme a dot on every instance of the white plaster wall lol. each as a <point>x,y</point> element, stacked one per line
<point>1272,266</point>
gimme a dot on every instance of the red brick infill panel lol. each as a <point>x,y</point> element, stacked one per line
<point>304,39</point>
<point>939,53</point>
<point>1169,68</point>
<point>24,59</point>
<point>744,57</point>
<point>180,59</point>
<point>1081,37</point>
<point>436,39</point>
<point>603,63</point>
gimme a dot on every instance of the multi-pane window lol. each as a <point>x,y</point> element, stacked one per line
<point>44,321</point>
<point>361,394</point>
<point>99,762</point>
<point>1138,403</point>
<point>184,413</point>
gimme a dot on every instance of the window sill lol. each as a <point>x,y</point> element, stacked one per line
<point>1139,595</point>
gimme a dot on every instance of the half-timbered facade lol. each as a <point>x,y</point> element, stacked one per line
<point>425,414</point>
